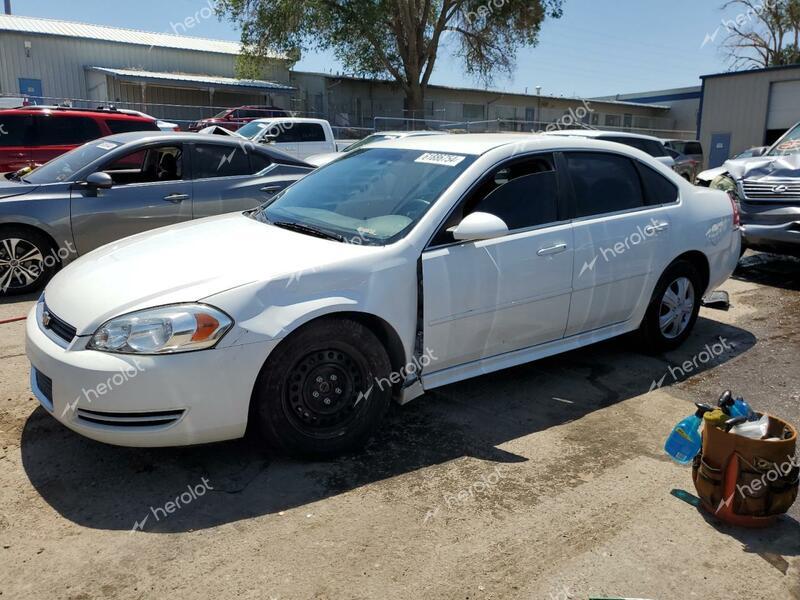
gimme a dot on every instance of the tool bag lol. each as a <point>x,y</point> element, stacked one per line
<point>744,481</point>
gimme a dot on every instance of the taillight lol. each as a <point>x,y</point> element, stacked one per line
<point>737,219</point>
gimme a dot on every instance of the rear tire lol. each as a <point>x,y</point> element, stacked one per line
<point>27,260</point>
<point>673,308</point>
<point>320,393</point>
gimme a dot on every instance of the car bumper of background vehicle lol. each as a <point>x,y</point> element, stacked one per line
<point>768,235</point>
<point>145,401</point>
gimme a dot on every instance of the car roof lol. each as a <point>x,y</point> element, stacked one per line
<point>595,133</point>
<point>409,133</point>
<point>480,143</point>
<point>289,117</point>
<point>65,110</point>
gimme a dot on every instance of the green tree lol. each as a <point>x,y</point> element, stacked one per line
<point>765,33</point>
<point>394,39</point>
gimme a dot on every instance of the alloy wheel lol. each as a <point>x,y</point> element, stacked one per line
<point>21,264</point>
<point>677,307</point>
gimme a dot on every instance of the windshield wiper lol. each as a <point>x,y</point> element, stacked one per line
<point>309,230</point>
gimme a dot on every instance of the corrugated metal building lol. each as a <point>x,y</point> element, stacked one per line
<point>684,103</point>
<point>747,108</point>
<point>361,102</point>
<point>59,60</point>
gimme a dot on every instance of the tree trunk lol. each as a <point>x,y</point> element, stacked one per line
<point>415,106</point>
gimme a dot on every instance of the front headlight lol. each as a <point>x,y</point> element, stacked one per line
<point>163,330</point>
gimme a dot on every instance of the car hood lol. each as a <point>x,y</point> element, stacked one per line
<point>185,263</point>
<point>10,189</point>
<point>765,166</point>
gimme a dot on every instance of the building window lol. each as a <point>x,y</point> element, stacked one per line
<point>613,120</point>
<point>628,121</point>
<point>473,112</point>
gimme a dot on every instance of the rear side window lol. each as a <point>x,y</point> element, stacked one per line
<point>52,130</point>
<point>310,132</point>
<point>657,188</point>
<point>650,147</point>
<point>211,160</point>
<point>693,148</point>
<point>603,183</point>
<point>14,130</point>
<point>126,125</point>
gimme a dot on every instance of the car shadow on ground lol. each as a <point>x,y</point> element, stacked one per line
<point>775,270</point>
<point>108,487</point>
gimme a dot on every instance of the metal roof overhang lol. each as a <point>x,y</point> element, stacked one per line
<point>187,80</point>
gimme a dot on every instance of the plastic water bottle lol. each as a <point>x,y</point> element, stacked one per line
<point>735,407</point>
<point>684,443</point>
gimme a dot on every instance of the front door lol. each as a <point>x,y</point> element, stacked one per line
<point>150,190</point>
<point>720,150</point>
<point>494,296</point>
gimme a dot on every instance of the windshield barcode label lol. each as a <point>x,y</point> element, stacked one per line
<point>437,158</point>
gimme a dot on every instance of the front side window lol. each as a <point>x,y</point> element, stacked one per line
<point>159,164</point>
<point>370,196</point>
<point>216,160</point>
<point>603,183</point>
<point>51,130</point>
<point>523,193</point>
<point>126,125</point>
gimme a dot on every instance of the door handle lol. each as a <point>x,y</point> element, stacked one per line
<point>651,229</point>
<point>662,226</point>
<point>271,189</point>
<point>176,198</point>
<point>557,249</point>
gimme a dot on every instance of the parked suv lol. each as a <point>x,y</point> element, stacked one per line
<point>32,136</point>
<point>234,118</point>
<point>691,148</point>
<point>767,188</point>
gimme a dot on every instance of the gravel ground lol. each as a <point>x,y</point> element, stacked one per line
<point>542,481</point>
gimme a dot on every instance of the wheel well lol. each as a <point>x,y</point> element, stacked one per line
<point>699,261</point>
<point>31,228</point>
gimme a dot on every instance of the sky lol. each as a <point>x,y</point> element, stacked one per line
<point>599,47</point>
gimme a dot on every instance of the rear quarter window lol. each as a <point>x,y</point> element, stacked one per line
<point>657,188</point>
<point>63,130</point>
<point>126,125</point>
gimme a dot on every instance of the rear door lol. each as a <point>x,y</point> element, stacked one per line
<point>55,133</point>
<point>623,214</point>
<point>224,179</point>
<point>15,152</point>
<point>152,189</point>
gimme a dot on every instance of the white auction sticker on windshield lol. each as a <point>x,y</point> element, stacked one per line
<point>438,158</point>
<point>106,146</point>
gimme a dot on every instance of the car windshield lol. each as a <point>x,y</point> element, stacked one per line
<point>65,166</point>
<point>252,129</point>
<point>372,196</point>
<point>788,144</point>
<point>375,137</point>
<point>221,115</point>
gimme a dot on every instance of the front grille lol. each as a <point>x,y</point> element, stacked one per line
<point>58,326</point>
<point>773,190</point>
<point>127,420</point>
<point>45,385</point>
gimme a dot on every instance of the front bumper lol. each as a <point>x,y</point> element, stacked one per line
<point>785,234</point>
<point>146,401</point>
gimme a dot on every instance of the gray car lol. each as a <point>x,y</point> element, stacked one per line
<point>125,184</point>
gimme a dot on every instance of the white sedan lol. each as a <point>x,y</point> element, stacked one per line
<point>401,267</point>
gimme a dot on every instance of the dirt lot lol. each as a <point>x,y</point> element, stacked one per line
<point>543,481</point>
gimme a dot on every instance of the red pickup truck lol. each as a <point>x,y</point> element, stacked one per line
<point>234,118</point>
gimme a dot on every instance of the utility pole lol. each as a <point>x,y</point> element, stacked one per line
<point>539,104</point>
<point>8,6</point>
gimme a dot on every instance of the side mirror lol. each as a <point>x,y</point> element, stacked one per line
<point>479,226</point>
<point>760,151</point>
<point>100,180</point>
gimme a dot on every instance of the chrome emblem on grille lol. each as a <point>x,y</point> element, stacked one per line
<point>46,318</point>
<point>780,189</point>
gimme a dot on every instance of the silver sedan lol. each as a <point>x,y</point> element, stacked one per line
<point>125,184</point>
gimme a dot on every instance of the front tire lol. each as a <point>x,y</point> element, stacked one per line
<point>27,261</point>
<point>324,390</point>
<point>673,309</point>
